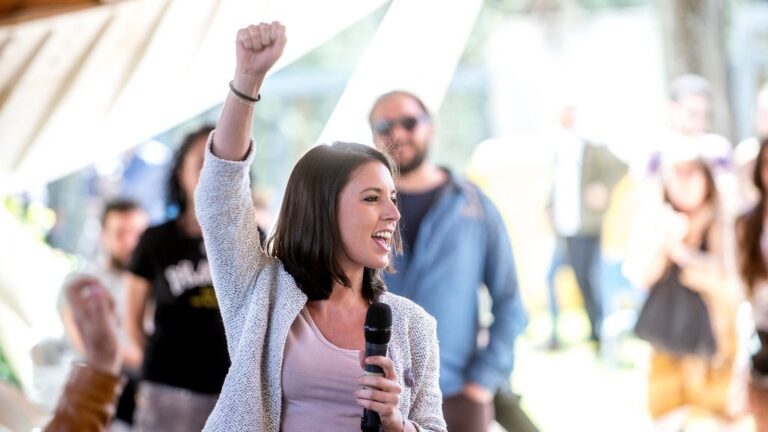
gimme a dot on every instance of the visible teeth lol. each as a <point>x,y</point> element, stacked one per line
<point>386,235</point>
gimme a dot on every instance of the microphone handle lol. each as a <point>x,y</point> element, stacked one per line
<point>371,350</point>
<point>370,421</point>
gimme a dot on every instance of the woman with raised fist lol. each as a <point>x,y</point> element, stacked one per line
<point>294,311</point>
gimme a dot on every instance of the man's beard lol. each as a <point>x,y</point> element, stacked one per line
<point>419,157</point>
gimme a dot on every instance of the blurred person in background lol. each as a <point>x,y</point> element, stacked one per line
<point>752,248</point>
<point>87,403</point>
<point>185,360</point>
<point>689,131</point>
<point>558,259</point>
<point>745,154</point>
<point>454,242</point>
<point>122,223</point>
<point>584,175</point>
<point>684,248</point>
<point>690,121</point>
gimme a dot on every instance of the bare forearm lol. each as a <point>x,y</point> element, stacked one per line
<point>257,49</point>
<point>134,347</point>
<point>137,290</point>
<point>233,131</point>
<point>132,356</point>
<point>655,269</point>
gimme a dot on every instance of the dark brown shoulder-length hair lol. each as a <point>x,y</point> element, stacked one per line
<point>306,238</point>
<point>749,231</point>
<point>176,201</point>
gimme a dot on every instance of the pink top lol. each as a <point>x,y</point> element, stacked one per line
<point>319,382</point>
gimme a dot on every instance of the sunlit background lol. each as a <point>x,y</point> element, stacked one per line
<point>95,97</point>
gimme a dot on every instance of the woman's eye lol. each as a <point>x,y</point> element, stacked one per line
<point>372,198</point>
<point>394,200</point>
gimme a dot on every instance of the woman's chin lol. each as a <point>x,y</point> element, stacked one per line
<point>378,264</point>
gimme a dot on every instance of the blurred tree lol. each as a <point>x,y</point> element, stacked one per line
<point>693,33</point>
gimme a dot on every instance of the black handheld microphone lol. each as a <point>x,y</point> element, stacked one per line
<point>378,330</point>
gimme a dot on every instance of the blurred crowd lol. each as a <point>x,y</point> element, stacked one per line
<point>697,249</point>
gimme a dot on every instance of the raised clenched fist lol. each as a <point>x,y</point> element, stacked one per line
<point>259,47</point>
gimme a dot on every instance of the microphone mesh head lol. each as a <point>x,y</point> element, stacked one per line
<point>378,323</point>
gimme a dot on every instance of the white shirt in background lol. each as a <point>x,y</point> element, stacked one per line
<point>566,206</point>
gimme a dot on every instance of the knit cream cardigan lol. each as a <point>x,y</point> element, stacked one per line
<point>259,301</point>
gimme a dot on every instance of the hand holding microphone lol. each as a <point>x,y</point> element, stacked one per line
<point>380,395</point>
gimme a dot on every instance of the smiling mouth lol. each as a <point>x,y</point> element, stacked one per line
<point>383,238</point>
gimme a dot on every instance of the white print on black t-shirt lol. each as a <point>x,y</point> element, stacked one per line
<point>183,276</point>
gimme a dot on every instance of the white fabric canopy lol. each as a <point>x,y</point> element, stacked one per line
<point>416,48</point>
<point>83,85</point>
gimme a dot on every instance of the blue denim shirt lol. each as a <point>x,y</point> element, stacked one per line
<point>462,245</point>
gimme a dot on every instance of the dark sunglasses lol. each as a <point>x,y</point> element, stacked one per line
<point>409,123</point>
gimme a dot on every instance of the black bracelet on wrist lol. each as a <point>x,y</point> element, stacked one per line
<point>242,95</point>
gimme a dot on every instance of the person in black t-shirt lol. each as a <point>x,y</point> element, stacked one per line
<point>185,360</point>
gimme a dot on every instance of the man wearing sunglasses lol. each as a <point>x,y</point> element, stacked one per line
<point>455,242</point>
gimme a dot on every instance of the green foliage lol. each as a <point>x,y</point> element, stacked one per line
<point>6,374</point>
<point>37,218</point>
